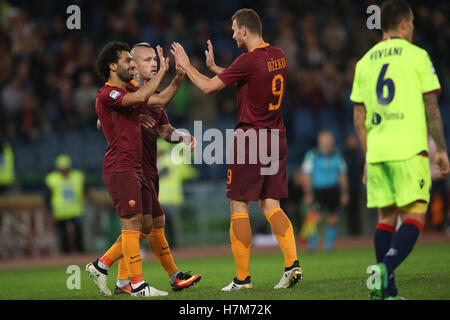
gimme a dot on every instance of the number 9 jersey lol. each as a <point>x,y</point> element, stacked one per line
<point>260,76</point>
<point>390,80</point>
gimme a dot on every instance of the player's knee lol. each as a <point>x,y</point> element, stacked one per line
<point>147,224</point>
<point>159,222</point>
<point>416,218</point>
<point>132,222</point>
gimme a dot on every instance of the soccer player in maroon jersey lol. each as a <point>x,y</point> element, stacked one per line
<point>118,111</point>
<point>153,226</point>
<point>260,76</point>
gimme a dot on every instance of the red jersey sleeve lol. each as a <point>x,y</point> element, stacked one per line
<point>111,97</point>
<point>164,118</point>
<point>236,72</point>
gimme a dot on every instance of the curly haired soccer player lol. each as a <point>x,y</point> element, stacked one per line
<point>394,93</point>
<point>260,75</point>
<point>118,111</point>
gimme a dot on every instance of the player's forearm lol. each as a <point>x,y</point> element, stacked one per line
<point>359,119</point>
<point>169,134</point>
<point>343,183</point>
<point>434,121</point>
<point>200,80</point>
<point>216,69</point>
<point>143,94</point>
<point>307,187</point>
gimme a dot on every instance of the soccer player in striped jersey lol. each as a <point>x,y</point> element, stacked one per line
<point>260,76</point>
<point>395,96</point>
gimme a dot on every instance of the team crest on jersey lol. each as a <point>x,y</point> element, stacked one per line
<point>132,203</point>
<point>114,94</point>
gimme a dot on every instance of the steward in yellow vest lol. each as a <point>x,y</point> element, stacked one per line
<point>65,199</point>
<point>6,164</point>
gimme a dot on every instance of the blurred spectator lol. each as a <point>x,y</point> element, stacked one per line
<point>65,192</point>
<point>84,99</point>
<point>30,120</point>
<point>354,159</point>
<point>325,185</point>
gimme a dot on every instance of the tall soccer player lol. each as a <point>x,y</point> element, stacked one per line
<point>118,111</point>
<point>394,93</point>
<point>260,75</point>
<point>146,69</point>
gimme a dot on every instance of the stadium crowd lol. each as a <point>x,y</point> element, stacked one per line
<point>48,84</point>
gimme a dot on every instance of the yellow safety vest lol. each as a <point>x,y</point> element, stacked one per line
<point>171,184</point>
<point>6,166</point>
<point>67,194</point>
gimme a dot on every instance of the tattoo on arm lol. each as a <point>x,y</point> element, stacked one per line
<point>434,121</point>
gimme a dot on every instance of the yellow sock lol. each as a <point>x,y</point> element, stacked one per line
<point>282,229</point>
<point>132,255</point>
<point>113,254</point>
<point>160,247</point>
<point>241,242</point>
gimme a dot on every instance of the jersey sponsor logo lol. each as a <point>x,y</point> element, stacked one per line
<point>114,94</point>
<point>376,118</point>
<point>132,203</point>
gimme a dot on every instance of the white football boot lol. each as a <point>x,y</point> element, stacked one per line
<point>290,277</point>
<point>100,279</point>
<point>144,290</point>
<point>238,285</point>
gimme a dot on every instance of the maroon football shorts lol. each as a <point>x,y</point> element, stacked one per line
<point>130,192</point>
<point>153,182</point>
<point>246,182</point>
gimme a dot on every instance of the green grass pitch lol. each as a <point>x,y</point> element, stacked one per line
<point>337,275</point>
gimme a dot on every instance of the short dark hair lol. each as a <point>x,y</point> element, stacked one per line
<point>392,12</point>
<point>109,54</point>
<point>248,18</point>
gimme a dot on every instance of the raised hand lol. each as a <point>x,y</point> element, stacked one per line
<point>146,121</point>
<point>180,71</point>
<point>163,62</point>
<point>210,63</point>
<point>181,58</point>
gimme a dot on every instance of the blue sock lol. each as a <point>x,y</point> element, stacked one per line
<point>382,242</point>
<point>330,237</point>
<point>401,246</point>
<point>312,242</point>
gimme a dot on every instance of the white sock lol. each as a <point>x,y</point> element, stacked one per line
<point>136,285</point>
<point>103,266</point>
<point>122,283</point>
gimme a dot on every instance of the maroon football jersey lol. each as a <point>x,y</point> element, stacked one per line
<point>149,138</point>
<point>260,76</point>
<point>122,130</point>
<point>150,135</point>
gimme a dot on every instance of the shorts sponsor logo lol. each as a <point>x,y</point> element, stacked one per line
<point>132,203</point>
<point>422,183</point>
<point>114,94</point>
